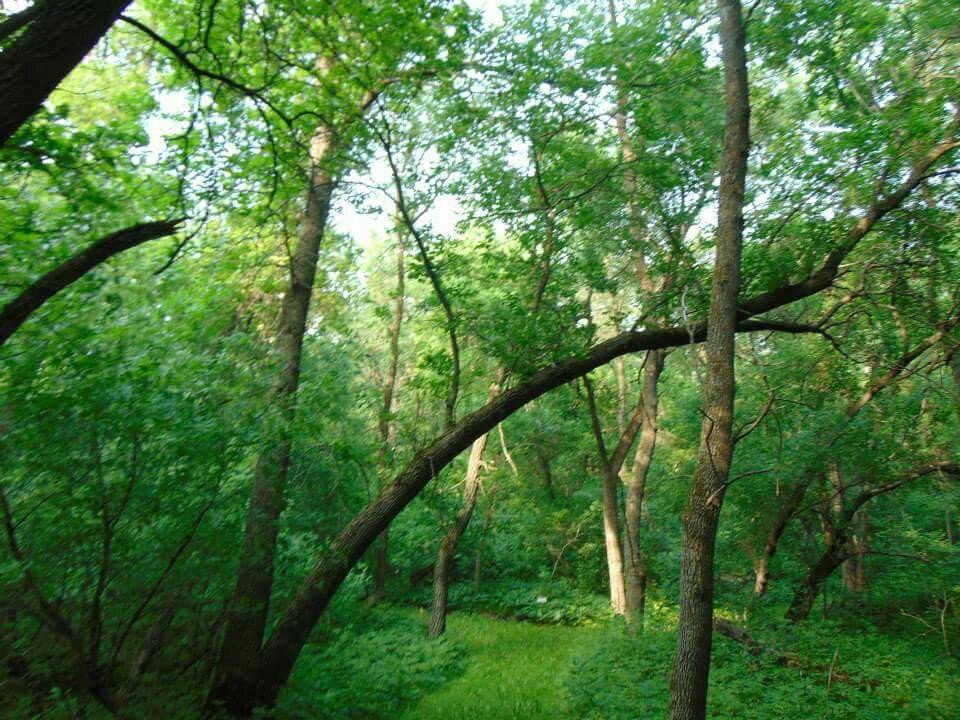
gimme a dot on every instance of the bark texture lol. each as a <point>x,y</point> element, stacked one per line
<point>689,680</point>
<point>16,312</point>
<point>51,42</point>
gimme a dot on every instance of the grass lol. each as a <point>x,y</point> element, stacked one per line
<point>514,670</point>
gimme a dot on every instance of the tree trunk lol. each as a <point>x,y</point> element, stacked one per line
<point>478,559</point>
<point>636,480</point>
<point>236,673</point>
<point>832,558</point>
<point>611,511</point>
<point>855,567</point>
<point>955,372</point>
<point>381,560</point>
<point>381,566</point>
<point>787,511</point>
<point>448,547</point>
<point>52,43</point>
<point>689,680</point>
<point>543,460</point>
<point>611,539</point>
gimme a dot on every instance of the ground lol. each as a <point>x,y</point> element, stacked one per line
<point>514,670</point>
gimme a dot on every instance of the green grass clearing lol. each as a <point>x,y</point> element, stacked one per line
<point>513,670</point>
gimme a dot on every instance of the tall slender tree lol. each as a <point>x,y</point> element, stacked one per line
<point>691,667</point>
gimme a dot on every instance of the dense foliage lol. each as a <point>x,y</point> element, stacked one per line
<point>434,256</point>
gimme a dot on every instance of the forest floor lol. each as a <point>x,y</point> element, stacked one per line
<point>513,670</point>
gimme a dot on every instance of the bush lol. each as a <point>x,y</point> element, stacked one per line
<point>544,601</point>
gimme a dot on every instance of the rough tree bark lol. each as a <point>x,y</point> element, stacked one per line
<point>52,42</point>
<point>16,312</point>
<point>689,680</point>
<point>237,668</point>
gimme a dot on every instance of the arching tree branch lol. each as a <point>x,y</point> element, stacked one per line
<point>15,312</point>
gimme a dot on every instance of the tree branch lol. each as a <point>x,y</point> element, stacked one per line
<point>866,496</point>
<point>15,312</point>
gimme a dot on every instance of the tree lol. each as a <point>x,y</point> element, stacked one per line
<point>688,682</point>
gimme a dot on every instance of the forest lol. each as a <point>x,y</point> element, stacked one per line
<point>368,359</point>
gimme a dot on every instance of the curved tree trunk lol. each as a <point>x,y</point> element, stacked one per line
<point>689,680</point>
<point>236,673</point>
<point>52,42</point>
<point>332,564</point>
<point>636,481</point>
